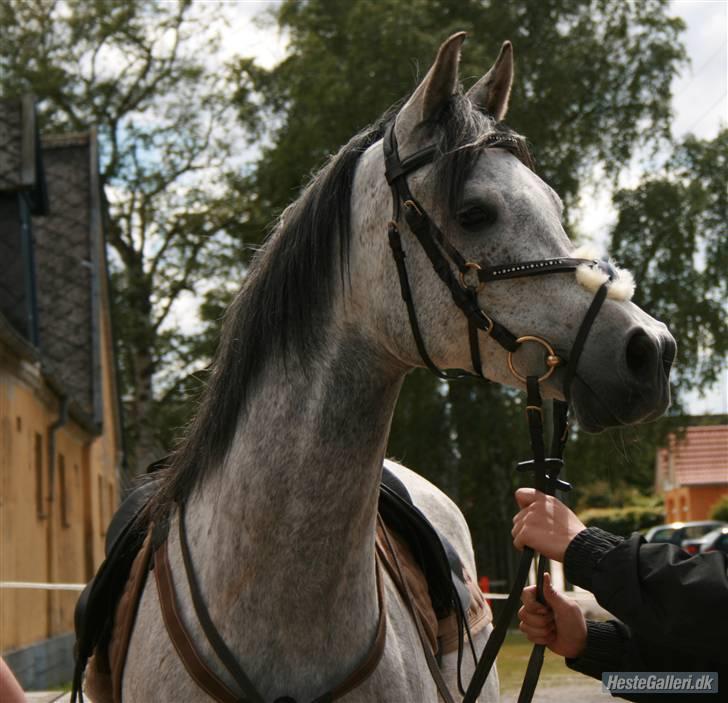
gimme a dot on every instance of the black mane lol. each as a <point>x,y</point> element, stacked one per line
<point>294,278</point>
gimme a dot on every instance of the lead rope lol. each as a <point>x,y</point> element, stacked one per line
<point>546,479</point>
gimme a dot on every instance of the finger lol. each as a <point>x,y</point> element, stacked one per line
<point>528,595</point>
<point>535,608</point>
<point>554,599</point>
<point>526,496</point>
<point>535,619</point>
<point>543,634</point>
<point>518,538</point>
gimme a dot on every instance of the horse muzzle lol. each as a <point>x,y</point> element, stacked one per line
<point>638,387</point>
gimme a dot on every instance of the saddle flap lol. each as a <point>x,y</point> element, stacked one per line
<point>432,552</point>
<point>94,612</point>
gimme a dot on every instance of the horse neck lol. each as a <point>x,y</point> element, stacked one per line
<point>291,513</point>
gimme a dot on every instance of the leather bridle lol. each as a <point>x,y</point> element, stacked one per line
<point>465,279</point>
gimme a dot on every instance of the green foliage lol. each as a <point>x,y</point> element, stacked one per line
<point>623,521</point>
<point>719,511</point>
<point>671,231</point>
<point>604,494</point>
<point>593,78</point>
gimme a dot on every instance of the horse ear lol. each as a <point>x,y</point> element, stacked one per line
<point>492,91</point>
<point>435,90</point>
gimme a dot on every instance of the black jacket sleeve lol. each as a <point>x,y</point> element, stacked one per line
<point>673,607</point>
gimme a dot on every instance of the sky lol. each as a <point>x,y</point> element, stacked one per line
<point>700,106</point>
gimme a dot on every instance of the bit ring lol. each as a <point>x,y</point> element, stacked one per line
<point>552,359</point>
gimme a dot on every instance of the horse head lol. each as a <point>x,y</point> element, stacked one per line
<point>471,178</point>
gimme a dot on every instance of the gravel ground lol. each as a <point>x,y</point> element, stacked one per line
<point>578,689</point>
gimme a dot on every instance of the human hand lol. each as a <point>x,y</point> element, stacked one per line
<point>544,523</point>
<point>560,624</point>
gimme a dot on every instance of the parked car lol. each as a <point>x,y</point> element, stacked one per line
<point>716,540</point>
<point>678,532</point>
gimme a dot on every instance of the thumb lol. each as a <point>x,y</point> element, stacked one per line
<point>553,599</point>
<point>525,496</point>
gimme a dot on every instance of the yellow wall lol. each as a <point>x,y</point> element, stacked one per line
<point>47,547</point>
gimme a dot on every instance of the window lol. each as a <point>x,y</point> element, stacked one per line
<point>110,494</point>
<point>38,460</point>
<point>100,495</point>
<point>63,492</point>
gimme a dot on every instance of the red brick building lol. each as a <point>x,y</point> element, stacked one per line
<point>692,472</point>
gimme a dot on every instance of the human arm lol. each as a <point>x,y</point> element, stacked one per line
<point>10,690</point>
<point>656,589</point>
<point>594,648</point>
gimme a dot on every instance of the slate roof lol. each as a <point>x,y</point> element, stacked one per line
<point>700,457</point>
<point>11,146</point>
<point>61,261</point>
<point>21,166</point>
<point>66,271</point>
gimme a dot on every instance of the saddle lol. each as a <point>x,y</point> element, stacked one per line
<point>446,598</point>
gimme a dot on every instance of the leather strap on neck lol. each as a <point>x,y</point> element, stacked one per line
<point>196,667</point>
<point>201,673</point>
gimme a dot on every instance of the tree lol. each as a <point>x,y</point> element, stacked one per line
<point>593,78</point>
<point>593,84</point>
<point>134,70</point>
<point>671,231</point>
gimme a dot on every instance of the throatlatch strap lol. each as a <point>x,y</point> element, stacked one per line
<point>395,243</point>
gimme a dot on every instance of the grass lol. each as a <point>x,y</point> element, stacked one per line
<point>513,659</point>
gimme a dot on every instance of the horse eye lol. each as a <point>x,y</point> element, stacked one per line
<point>476,217</point>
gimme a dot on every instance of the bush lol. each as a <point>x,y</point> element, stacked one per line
<point>720,510</point>
<point>623,521</point>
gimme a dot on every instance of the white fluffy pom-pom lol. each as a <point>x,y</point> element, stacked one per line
<point>622,286</point>
<point>590,278</point>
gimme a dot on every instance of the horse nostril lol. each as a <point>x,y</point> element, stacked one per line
<point>640,355</point>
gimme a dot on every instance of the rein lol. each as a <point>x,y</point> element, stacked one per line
<point>464,287</point>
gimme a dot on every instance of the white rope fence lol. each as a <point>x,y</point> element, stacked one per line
<point>40,586</point>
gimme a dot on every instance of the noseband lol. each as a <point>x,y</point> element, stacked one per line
<point>465,280</point>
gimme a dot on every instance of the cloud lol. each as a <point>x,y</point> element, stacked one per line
<point>700,93</point>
